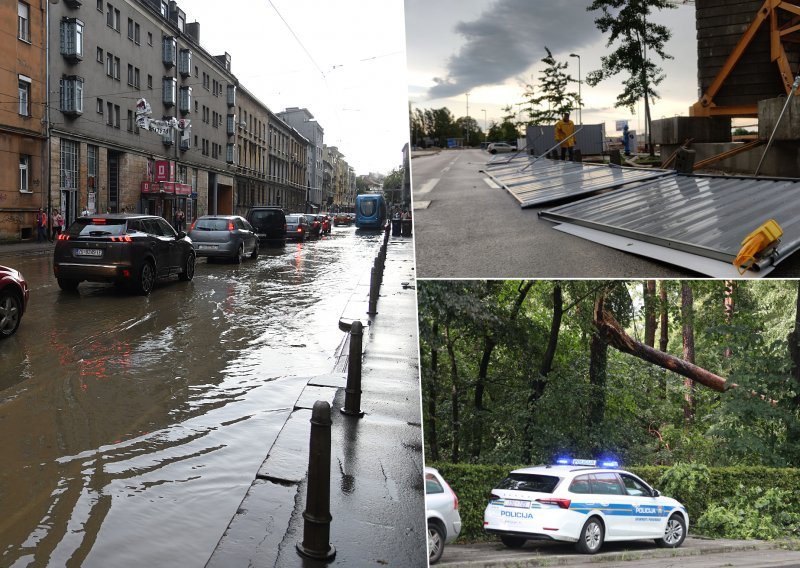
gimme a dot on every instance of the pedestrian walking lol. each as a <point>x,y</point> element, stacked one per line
<point>41,226</point>
<point>53,224</point>
<point>565,128</point>
<point>180,217</point>
<point>59,223</point>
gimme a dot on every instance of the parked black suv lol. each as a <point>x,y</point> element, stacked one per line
<point>126,249</point>
<point>269,223</point>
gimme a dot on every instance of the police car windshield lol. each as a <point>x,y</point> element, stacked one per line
<point>529,482</point>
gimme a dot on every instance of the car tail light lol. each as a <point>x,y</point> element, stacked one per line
<point>99,221</point>
<point>455,498</point>
<point>63,237</point>
<point>562,503</point>
<point>193,224</point>
<point>299,229</point>
<point>126,273</point>
<point>122,239</point>
<point>230,225</point>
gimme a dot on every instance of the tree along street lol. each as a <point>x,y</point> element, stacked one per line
<point>132,426</point>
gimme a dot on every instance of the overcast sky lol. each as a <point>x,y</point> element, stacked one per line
<point>490,48</point>
<point>351,74</point>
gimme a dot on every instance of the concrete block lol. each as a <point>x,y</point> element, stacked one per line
<point>677,129</point>
<point>769,111</point>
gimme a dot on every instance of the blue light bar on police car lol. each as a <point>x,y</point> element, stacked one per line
<point>590,463</point>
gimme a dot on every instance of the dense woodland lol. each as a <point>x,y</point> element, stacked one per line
<point>654,372</point>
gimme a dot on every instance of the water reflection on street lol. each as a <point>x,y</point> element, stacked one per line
<point>131,427</point>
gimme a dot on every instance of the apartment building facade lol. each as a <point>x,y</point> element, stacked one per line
<point>303,121</point>
<point>23,128</point>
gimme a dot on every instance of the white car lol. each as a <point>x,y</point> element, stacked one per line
<point>444,521</point>
<point>585,502</point>
<point>496,147</point>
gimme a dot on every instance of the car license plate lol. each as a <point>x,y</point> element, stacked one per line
<point>88,252</point>
<point>209,246</point>
<point>517,503</point>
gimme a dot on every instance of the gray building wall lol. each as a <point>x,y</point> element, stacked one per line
<point>303,121</point>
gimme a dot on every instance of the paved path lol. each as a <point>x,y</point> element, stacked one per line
<point>377,500</point>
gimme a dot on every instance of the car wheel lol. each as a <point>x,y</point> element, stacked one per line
<point>674,534</point>
<point>512,541</point>
<point>254,254</point>
<point>591,538</point>
<point>68,285</point>
<point>435,542</point>
<point>188,269</point>
<point>147,278</point>
<point>239,254</point>
<point>10,313</point>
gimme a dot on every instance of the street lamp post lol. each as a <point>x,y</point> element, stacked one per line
<point>485,133</point>
<point>580,99</point>
<point>467,121</point>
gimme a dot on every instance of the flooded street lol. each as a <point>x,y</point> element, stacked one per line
<point>131,427</point>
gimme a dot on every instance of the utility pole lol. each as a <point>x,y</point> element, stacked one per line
<point>467,121</point>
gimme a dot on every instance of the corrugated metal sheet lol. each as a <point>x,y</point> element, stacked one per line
<point>703,215</point>
<point>590,139</point>
<point>536,182</point>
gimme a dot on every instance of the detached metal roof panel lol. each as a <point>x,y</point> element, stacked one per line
<point>703,215</point>
<point>543,181</point>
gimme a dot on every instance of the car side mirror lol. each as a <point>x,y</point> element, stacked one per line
<point>181,235</point>
<point>656,493</point>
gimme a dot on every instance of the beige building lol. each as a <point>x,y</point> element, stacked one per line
<point>23,130</point>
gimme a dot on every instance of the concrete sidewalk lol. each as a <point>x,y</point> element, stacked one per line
<point>25,248</point>
<point>377,498</point>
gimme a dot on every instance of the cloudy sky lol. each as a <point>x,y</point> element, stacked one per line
<point>491,48</point>
<point>348,67</point>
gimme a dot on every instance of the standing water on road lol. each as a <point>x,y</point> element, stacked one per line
<point>131,427</point>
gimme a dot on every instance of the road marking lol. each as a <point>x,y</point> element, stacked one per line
<point>426,187</point>
<point>421,204</point>
<point>446,169</point>
<point>491,183</point>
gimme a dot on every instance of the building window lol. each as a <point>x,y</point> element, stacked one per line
<point>169,51</point>
<point>24,95</point>
<point>99,54</point>
<point>169,88</point>
<point>99,5</point>
<point>164,9</point>
<point>231,95</point>
<point>72,38</point>
<point>136,77</point>
<point>109,65</point>
<point>130,121</point>
<point>110,114</point>
<point>116,68</point>
<point>136,33</point>
<point>231,125</point>
<point>112,17</point>
<point>150,82</point>
<point>99,106</point>
<point>130,28</point>
<point>24,21</point>
<point>149,38</point>
<point>185,105</point>
<point>116,116</point>
<point>130,74</point>
<point>229,154</point>
<point>24,163</point>
<point>68,170</point>
<point>185,62</point>
<point>71,95</point>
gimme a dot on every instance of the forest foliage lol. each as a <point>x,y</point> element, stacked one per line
<point>515,372</point>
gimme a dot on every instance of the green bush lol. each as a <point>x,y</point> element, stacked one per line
<point>733,502</point>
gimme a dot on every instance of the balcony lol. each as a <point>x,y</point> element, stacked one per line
<point>185,100</point>
<point>169,87</point>
<point>169,51</point>
<point>71,95</point>
<point>72,39</point>
<point>231,125</point>
<point>231,95</point>
<point>185,62</point>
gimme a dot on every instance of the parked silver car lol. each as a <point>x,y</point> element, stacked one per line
<point>444,520</point>
<point>224,236</point>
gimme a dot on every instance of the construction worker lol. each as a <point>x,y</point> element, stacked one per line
<point>564,129</point>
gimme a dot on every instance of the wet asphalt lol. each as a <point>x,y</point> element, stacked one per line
<point>377,501</point>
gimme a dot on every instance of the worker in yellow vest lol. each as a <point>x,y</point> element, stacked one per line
<point>564,129</point>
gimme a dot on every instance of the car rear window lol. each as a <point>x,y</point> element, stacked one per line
<point>293,218</point>
<point>432,484</point>
<point>529,482</point>
<point>264,217</point>
<point>211,225</point>
<point>100,227</point>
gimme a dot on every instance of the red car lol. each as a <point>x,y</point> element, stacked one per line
<point>14,295</point>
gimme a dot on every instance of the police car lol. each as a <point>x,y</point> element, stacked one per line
<point>586,502</point>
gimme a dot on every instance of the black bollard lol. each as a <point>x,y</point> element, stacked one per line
<point>317,516</point>
<point>373,292</point>
<point>352,397</point>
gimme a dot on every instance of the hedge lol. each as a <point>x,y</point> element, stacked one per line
<point>473,483</point>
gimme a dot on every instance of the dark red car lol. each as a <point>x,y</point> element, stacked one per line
<point>14,295</point>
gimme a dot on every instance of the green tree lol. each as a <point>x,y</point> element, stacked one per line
<point>467,128</point>
<point>626,23</point>
<point>505,131</point>
<point>553,98</point>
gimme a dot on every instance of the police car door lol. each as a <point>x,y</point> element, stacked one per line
<point>646,518</point>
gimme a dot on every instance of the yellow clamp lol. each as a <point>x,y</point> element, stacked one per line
<point>765,236</point>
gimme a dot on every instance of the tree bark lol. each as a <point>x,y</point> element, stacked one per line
<point>664,328</point>
<point>687,319</point>
<point>649,290</point>
<point>598,366</point>
<point>430,425</point>
<point>454,396</point>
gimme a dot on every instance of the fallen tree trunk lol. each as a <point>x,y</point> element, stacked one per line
<point>612,333</point>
